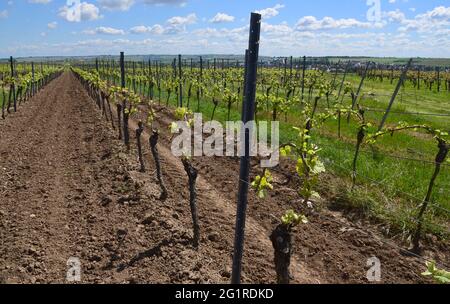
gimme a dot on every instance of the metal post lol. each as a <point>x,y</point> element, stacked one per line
<point>32,79</point>
<point>180,77</point>
<point>245,81</point>
<point>290,67</point>
<point>248,114</point>
<point>335,75</point>
<point>399,84</point>
<point>360,85</point>
<point>13,86</point>
<point>134,74</point>
<point>122,70</point>
<point>303,76</point>
<point>438,79</point>
<point>343,78</point>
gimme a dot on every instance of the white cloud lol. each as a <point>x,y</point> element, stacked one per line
<point>105,31</point>
<point>83,11</point>
<point>156,29</point>
<point>178,24</point>
<point>3,14</point>
<point>391,1</point>
<point>180,3</point>
<point>40,1</point>
<point>235,40</point>
<point>174,25</point>
<point>276,29</point>
<point>140,29</point>
<point>178,20</point>
<point>121,5</point>
<point>52,25</point>
<point>310,23</point>
<point>221,33</point>
<point>440,12</point>
<point>432,20</point>
<point>271,11</point>
<point>396,16</point>
<point>221,18</point>
<point>430,39</point>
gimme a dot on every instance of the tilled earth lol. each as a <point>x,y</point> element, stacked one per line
<point>69,189</point>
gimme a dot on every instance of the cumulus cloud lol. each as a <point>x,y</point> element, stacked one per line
<point>311,23</point>
<point>221,18</point>
<point>396,16</point>
<point>39,1</point>
<point>82,11</point>
<point>173,25</point>
<point>234,33</point>
<point>271,11</point>
<point>432,20</point>
<point>426,35</point>
<point>178,24</point>
<point>179,21</point>
<point>121,5</point>
<point>156,29</point>
<point>164,2</point>
<point>276,29</point>
<point>440,12</point>
<point>3,14</point>
<point>52,25</point>
<point>235,40</point>
<point>105,31</point>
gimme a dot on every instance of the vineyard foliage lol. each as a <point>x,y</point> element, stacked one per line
<point>320,129</point>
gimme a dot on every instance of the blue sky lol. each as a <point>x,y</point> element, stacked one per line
<point>400,28</point>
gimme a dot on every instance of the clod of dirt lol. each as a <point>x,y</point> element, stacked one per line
<point>148,219</point>
<point>121,233</point>
<point>106,200</point>
<point>226,273</point>
<point>32,251</point>
<point>128,198</point>
<point>213,237</point>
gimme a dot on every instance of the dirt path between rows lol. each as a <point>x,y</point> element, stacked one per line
<point>69,189</point>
